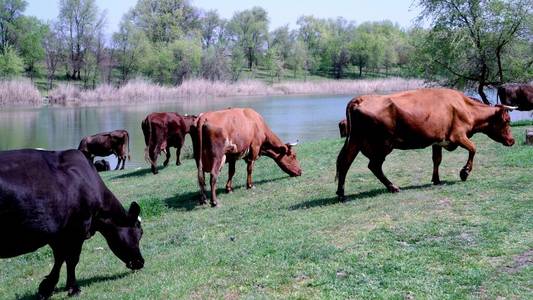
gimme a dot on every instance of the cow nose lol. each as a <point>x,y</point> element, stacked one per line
<point>511,142</point>
<point>136,264</point>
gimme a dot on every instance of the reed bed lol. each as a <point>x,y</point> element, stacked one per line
<point>140,91</point>
<point>17,92</point>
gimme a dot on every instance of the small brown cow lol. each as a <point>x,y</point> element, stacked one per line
<point>106,143</point>
<point>342,128</point>
<point>413,120</point>
<point>163,130</point>
<point>230,134</point>
<point>520,95</point>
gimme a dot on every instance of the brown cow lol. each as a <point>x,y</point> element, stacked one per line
<point>342,127</point>
<point>413,120</point>
<point>107,143</point>
<point>230,134</point>
<point>520,95</point>
<point>163,130</point>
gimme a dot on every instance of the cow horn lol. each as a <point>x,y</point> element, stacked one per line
<point>293,144</point>
<point>139,218</point>
<point>510,107</point>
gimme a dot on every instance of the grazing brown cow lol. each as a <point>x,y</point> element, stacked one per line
<point>163,130</point>
<point>342,127</point>
<point>413,120</point>
<point>106,143</point>
<point>520,95</point>
<point>230,134</point>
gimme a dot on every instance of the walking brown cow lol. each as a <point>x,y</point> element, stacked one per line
<point>163,130</point>
<point>417,119</point>
<point>106,143</point>
<point>230,134</point>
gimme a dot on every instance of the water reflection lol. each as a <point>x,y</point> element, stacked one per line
<point>303,118</point>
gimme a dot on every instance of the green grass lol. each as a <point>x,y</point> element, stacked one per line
<point>290,238</point>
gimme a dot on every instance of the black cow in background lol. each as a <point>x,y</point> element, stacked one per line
<point>58,199</point>
<point>519,95</point>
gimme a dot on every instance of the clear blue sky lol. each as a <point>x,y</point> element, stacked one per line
<point>280,12</point>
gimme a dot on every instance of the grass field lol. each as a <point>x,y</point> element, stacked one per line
<point>290,238</point>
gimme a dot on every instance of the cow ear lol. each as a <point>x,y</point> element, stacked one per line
<point>135,210</point>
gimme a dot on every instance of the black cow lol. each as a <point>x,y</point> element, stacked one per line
<point>102,165</point>
<point>519,95</point>
<point>58,199</point>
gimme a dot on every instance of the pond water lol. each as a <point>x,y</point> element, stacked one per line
<point>303,118</point>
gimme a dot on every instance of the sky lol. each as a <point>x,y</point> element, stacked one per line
<point>280,12</point>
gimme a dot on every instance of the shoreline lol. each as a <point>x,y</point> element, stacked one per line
<point>143,92</point>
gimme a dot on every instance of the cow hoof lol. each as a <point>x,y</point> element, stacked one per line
<point>251,187</point>
<point>437,182</point>
<point>342,198</point>
<point>73,291</point>
<point>165,164</point>
<point>178,163</point>
<point>229,190</point>
<point>464,174</point>
<point>215,205</point>
<point>393,189</point>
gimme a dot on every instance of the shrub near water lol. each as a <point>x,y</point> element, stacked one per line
<point>19,92</point>
<point>140,91</point>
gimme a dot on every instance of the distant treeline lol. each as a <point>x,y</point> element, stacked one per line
<point>168,41</point>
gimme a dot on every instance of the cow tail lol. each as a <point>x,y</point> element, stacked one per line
<point>128,138</point>
<point>147,138</point>
<point>348,134</point>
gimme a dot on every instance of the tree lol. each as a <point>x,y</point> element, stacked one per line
<point>213,28</point>
<point>470,39</point>
<point>10,12</point>
<point>52,43</point>
<point>132,47</point>
<point>29,43</point>
<point>78,19</point>
<point>10,63</point>
<point>164,21</point>
<point>249,29</point>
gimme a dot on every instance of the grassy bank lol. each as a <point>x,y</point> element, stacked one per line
<point>139,91</point>
<point>289,238</point>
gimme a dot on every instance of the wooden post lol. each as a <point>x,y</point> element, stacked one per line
<point>529,136</point>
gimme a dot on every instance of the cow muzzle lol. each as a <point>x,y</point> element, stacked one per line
<point>135,264</point>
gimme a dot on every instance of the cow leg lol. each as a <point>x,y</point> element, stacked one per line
<point>165,163</point>
<point>231,172</point>
<point>437,158</point>
<point>118,163</point>
<point>179,145</point>
<point>201,183</point>
<point>375,165</point>
<point>213,181</point>
<point>249,169</point>
<point>46,288</point>
<point>468,145</point>
<point>73,256</point>
<point>123,162</point>
<point>345,159</point>
<point>152,155</point>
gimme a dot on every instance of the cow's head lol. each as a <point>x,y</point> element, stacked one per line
<point>499,128</point>
<point>287,161</point>
<point>123,237</point>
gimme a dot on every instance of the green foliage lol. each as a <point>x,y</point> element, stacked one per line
<point>250,31</point>
<point>10,12</point>
<point>31,35</point>
<point>474,42</point>
<point>10,63</point>
<point>164,21</point>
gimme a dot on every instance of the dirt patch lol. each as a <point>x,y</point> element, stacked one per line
<point>445,202</point>
<point>519,262</point>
